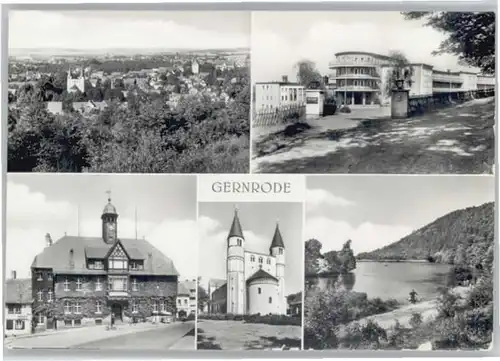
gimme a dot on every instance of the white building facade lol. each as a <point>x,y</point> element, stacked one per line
<point>255,281</point>
<point>271,96</point>
<point>18,306</point>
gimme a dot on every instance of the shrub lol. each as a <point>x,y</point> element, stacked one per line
<point>274,319</point>
<point>416,320</point>
<point>459,276</point>
<point>345,109</point>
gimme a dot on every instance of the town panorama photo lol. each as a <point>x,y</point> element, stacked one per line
<point>128,91</point>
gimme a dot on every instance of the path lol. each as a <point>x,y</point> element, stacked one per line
<point>458,139</point>
<point>75,337</point>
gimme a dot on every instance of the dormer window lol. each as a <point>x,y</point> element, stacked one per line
<point>118,259</point>
<point>96,264</point>
<point>39,276</point>
<point>136,265</point>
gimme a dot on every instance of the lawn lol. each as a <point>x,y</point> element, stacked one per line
<point>458,139</point>
<point>237,335</point>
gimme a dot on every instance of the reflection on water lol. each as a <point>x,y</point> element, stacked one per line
<point>386,280</point>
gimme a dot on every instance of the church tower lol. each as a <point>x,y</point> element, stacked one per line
<point>109,223</point>
<point>236,287</point>
<point>277,250</point>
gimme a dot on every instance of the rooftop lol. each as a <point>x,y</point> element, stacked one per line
<point>18,291</point>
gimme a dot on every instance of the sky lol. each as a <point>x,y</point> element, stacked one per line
<point>281,39</point>
<point>258,221</point>
<point>128,29</point>
<point>38,204</point>
<point>374,211</point>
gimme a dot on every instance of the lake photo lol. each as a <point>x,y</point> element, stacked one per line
<point>385,276</point>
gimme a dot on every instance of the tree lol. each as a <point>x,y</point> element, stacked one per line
<point>307,73</point>
<point>203,296</point>
<point>471,35</point>
<point>401,70</point>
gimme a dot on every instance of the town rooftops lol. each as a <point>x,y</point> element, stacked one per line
<point>184,288</point>
<point>69,255</point>
<point>18,291</point>
<point>261,274</point>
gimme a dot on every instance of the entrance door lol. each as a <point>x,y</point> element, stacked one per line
<point>116,310</point>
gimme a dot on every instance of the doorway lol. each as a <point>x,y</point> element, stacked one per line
<point>117,311</point>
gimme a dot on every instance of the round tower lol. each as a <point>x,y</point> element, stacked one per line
<point>109,219</point>
<point>236,288</point>
<point>277,250</point>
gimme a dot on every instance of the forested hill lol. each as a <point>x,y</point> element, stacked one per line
<point>465,236</point>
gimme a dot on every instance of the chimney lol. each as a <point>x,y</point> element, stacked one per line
<point>285,78</point>
<point>48,240</point>
<point>71,258</point>
<point>14,275</point>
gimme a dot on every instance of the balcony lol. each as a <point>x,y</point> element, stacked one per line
<point>447,78</point>
<point>118,294</point>
<point>353,64</point>
<point>357,88</point>
<point>356,76</point>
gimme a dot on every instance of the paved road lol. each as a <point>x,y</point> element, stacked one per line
<point>160,339</point>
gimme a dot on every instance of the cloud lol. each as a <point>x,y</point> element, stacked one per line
<point>31,215</point>
<point>365,237</point>
<point>320,197</point>
<point>42,29</point>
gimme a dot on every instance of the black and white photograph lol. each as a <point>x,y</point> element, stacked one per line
<point>373,92</point>
<point>92,265</point>
<point>399,263</point>
<point>129,91</point>
<point>250,260</point>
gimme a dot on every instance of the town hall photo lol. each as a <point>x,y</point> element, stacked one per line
<point>95,266</point>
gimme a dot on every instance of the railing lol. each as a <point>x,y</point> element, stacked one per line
<point>421,104</point>
<point>118,293</point>
<point>282,115</point>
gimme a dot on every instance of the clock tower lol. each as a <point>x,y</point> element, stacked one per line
<point>109,223</point>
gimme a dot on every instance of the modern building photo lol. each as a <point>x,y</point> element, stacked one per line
<point>250,284</point>
<point>405,92</point>
<point>99,263</point>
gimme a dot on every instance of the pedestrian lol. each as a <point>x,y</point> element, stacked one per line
<point>112,320</point>
<point>55,322</point>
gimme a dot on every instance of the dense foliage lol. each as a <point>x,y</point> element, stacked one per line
<point>461,237</point>
<point>470,35</point>
<point>144,134</point>
<point>333,262</point>
<point>257,318</point>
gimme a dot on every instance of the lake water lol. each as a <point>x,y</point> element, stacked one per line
<point>389,280</point>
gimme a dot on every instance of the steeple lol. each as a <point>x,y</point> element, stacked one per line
<point>109,222</point>
<point>277,239</point>
<point>236,230</point>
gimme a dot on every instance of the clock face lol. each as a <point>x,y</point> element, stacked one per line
<point>111,227</point>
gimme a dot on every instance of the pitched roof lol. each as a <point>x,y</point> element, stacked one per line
<point>261,274</point>
<point>216,282</point>
<point>18,291</point>
<point>236,230</point>
<point>58,256</point>
<point>277,239</point>
<point>184,288</point>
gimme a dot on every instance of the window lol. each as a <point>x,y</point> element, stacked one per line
<point>98,284</point>
<point>252,258</point>
<point>117,284</point>
<point>10,324</point>
<point>50,296</point>
<point>270,300</point>
<point>66,284</point>
<point>135,286</point>
<point>96,265</point>
<point>179,302</point>
<point>185,301</point>
<point>78,284</point>
<point>268,261</point>
<point>14,309</point>
<point>40,318</point>
<point>134,307</point>
<point>280,250</point>
<point>67,307</point>
<point>50,276</point>
<point>77,307</point>
<point>155,306</point>
<point>118,259</point>
<point>261,259</point>
<point>77,322</point>
<point>259,290</point>
<point>98,307</point>
<point>239,242</point>
<point>162,307</point>
<point>40,295</point>
<point>19,325</point>
<point>39,276</point>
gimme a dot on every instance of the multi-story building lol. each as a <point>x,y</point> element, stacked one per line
<point>75,81</point>
<point>361,79</point>
<point>255,281</point>
<point>186,298</point>
<point>18,303</point>
<point>84,280</point>
<point>271,96</point>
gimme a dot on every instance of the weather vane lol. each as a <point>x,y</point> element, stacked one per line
<point>108,192</point>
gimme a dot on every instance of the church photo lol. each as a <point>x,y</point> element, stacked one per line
<point>95,266</point>
<point>250,263</point>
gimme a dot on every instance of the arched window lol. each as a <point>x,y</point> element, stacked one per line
<point>268,261</point>
<point>280,251</point>
<point>259,290</point>
<point>239,242</point>
<point>270,300</point>
<point>261,259</point>
<point>252,258</point>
